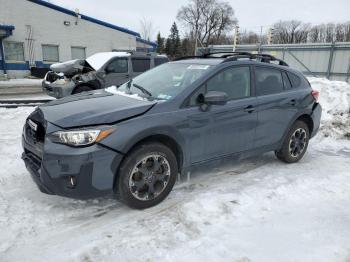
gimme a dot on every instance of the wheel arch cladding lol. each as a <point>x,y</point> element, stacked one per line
<point>166,140</point>
<point>307,120</point>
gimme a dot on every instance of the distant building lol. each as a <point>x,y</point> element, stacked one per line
<point>36,33</point>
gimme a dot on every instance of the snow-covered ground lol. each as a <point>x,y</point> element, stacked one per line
<point>258,209</point>
<point>20,82</point>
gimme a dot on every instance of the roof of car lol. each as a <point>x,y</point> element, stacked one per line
<point>203,61</point>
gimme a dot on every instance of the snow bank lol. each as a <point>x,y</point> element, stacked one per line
<point>335,102</point>
<point>21,82</point>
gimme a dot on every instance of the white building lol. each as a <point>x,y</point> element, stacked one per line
<point>35,33</point>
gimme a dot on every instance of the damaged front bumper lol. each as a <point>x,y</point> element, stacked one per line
<point>58,89</point>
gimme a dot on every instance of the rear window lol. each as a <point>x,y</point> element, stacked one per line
<point>141,64</point>
<point>268,81</point>
<point>286,82</point>
<point>160,60</point>
<point>294,79</point>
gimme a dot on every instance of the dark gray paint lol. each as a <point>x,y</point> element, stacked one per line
<point>201,135</point>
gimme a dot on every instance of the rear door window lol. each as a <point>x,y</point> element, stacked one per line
<point>268,81</point>
<point>140,64</point>
<point>294,79</point>
<point>286,82</point>
<point>160,60</point>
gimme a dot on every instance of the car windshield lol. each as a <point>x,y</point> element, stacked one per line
<point>164,82</point>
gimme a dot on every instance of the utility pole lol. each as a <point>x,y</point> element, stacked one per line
<point>270,36</point>
<point>260,40</point>
<point>196,32</point>
<point>236,38</point>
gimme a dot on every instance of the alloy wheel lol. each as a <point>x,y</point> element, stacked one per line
<point>297,142</point>
<point>149,177</point>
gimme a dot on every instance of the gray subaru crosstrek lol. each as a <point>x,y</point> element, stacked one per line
<point>134,140</point>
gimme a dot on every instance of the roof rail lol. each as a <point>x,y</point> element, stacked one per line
<point>234,56</point>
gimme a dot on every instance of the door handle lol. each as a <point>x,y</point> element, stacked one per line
<point>249,109</point>
<point>292,102</point>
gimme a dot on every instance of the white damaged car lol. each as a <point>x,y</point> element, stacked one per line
<point>98,71</point>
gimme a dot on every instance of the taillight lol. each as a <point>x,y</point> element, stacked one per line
<point>315,94</point>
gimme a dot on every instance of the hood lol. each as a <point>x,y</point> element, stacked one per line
<point>93,108</point>
<point>68,67</point>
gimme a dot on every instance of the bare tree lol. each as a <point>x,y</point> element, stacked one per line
<point>290,32</point>
<point>248,37</point>
<point>207,20</point>
<point>146,28</point>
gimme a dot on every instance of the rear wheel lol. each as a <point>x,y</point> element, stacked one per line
<point>295,144</point>
<point>80,89</point>
<point>147,175</point>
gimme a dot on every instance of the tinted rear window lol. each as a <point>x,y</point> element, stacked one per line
<point>294,79</point>
<point>286,82</point>
<point>160,60</point>
<point>141,64</point>
<point>268,81</point>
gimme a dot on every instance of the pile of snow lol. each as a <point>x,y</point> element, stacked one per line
<point>20,82</point>
<point>114,90</point>
<point>335,102</point>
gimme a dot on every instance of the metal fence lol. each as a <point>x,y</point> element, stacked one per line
<point>330,60</point>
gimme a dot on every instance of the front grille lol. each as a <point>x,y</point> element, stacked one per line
<point>35,128</point>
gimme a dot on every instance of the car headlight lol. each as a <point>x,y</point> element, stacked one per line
<point>80,137</point>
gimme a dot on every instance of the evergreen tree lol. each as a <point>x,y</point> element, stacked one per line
<point>167,48</point>
<point>186,47</point>
<point>160,43</point>
<point>173,43</point>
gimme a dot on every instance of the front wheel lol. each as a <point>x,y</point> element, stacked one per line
<point>147,175</point>
<point>295,144</point>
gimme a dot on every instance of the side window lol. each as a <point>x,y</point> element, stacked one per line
<point>119,65</point>
<point>294,79</point>
<point>286,82</point>
<point>160,60</point>
<point>235,82</point>
<point>268,81</point>
<point>141,64</point>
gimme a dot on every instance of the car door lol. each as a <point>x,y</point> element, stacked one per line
<point>140,65</point>
<point>222,130</point>
<point>116,72</point>
<point>276,107</point>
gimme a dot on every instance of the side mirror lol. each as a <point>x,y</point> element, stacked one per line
<point>215,98</point>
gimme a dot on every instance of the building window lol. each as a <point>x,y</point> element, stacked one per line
<point>78,52</point>
<point>14,51</point>
<point>50,53</point>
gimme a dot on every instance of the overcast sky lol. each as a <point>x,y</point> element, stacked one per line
<point>251,14</point>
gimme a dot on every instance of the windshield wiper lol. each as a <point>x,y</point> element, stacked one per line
<point>144,90</point>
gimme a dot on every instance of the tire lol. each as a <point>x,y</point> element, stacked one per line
<point>80,89</point>
<point>149,167</point>
<point>295,143</point>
